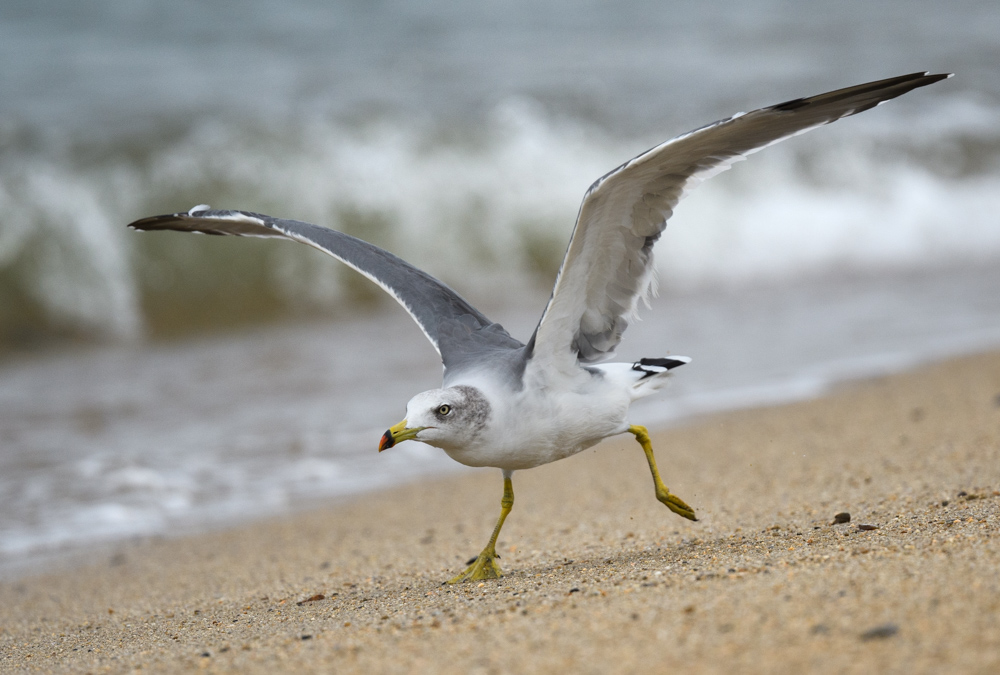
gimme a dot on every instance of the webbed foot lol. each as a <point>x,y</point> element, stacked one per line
<point>675,504</point>
<point>485,566</point>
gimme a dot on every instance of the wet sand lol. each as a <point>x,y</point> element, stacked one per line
<point>600,577</point>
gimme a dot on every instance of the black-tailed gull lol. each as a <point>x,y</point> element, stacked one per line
<point>514,406</point>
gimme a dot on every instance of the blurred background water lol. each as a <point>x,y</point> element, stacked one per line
<point>155,382</point>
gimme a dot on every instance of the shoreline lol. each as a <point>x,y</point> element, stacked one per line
<point>599,576</point>
<point>135,440</point>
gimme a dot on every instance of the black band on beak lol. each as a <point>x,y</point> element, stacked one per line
<point>387,441</point>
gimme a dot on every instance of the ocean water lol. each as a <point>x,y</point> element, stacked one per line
<point>153,383</point>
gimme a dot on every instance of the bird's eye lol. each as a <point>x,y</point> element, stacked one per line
<point>443,409</point>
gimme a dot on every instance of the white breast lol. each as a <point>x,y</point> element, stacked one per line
<point>548,421</point>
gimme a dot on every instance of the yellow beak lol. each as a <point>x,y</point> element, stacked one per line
<point>398,434</point>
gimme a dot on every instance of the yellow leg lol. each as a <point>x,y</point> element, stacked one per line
<point>485,566</point>
<point>671,501</point>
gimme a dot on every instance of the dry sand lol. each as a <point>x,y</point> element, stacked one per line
<point>600,577</point>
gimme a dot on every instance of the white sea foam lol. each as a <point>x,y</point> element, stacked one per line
<point>860,214</point>
<point>494,204</point>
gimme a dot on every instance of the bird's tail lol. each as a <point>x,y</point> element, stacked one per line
<point>653,367</point>
<point>652,374</point>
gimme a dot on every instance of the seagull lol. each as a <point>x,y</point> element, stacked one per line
<point>513,405</point>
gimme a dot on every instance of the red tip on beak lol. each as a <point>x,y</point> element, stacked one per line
<point>386,442</point>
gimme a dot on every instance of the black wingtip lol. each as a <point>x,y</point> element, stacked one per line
<point>891,87</point>
<point>151,223</point>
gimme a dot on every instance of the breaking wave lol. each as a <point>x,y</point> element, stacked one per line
<point>482,205</point>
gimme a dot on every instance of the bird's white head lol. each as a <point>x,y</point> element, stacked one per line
<point>445,418</point>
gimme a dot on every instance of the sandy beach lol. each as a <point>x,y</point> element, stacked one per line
<point>599,576</point>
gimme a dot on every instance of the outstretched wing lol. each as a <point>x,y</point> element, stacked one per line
<point>609,263</point>
<point>458,331</point>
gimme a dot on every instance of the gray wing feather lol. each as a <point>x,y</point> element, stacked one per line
<point>609,262</point>
<point>460,333</point>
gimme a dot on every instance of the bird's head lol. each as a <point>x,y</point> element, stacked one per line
<point>444,418</point>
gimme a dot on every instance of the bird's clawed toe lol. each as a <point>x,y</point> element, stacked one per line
<point>675,504</point>
<point>483,566</point>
